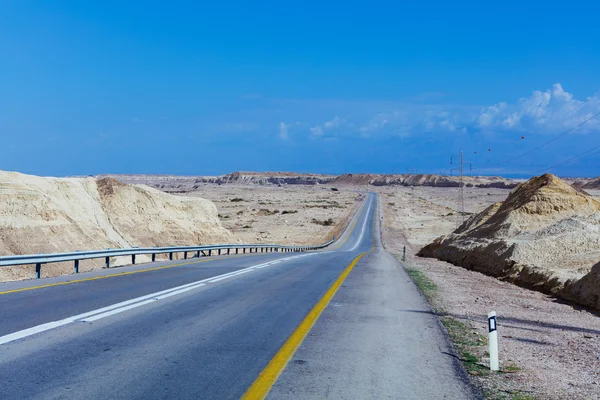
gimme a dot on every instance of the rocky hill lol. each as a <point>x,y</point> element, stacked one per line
<point>45,215</point>
<point>545,235</point>
<point>592,184</point>
<point>182,184</point>
<point>178,183</point>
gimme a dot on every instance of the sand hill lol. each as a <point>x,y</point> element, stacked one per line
<point>45,215</point>
<point>545,235</point>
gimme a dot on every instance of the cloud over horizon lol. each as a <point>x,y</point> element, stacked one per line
<point>549,112</point>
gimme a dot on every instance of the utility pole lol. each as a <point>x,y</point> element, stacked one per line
<point>460,206</point>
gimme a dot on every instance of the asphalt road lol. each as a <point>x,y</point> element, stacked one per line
<point>207,328</point>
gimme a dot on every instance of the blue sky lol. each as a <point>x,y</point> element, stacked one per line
<point>380,86</point>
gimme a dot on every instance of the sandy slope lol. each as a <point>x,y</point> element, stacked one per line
<point>543,235</point>
<point>44,215</point>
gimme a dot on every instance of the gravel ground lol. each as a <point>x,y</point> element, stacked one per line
<point>554,346</point>
<point>287,214</point>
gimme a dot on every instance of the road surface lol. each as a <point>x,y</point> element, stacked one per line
<point>344,323</point>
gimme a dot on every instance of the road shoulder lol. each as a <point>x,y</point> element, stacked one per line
<point>378,338</point>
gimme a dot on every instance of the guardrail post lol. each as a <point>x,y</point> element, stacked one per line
<point>236,250</point>
<point>38,270</point>
<point>219,252</point>
<point>185,255</point>
<point>107,262</point>
<point>244,250</point>
<point>153,257</point>
<point>228,251</point>
<point>171,256</point>
<point>209,252</point>
<point>76,267</point>
<point>133,259</point>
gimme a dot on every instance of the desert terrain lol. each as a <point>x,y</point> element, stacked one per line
<point>549,337</point>
<point>290,214</point>
<point>52,215</point>
<point>549,349</point>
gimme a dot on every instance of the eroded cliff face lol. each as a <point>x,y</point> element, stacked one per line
<point>173,183</point>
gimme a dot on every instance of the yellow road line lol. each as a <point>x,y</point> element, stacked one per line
<point>267,378</point>
<point>262,385</point>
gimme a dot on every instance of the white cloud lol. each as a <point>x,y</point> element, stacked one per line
<point>316,131</point>
<point>335,123</point>
<point>549,111</point>
<point>283,130</point>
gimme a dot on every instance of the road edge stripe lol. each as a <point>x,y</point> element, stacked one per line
<point>265,380</point>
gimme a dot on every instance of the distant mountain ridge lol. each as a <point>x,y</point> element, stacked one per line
<point>175,183</point>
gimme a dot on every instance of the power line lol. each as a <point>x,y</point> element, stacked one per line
<point>571,159</point>
<point>551,140</point>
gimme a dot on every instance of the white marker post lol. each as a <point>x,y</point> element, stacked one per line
<point>493,340</point>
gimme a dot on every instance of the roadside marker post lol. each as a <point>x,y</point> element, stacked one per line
<point>404,254</point>
<point>493,341</point>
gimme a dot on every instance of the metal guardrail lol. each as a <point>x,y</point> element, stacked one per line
<point>200,251</point>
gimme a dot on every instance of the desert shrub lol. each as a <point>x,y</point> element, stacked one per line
<point>327,222</point>
<point>266,211</point>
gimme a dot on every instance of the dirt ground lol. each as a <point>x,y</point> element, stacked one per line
<point>284,214</point>
<point>553,348</point>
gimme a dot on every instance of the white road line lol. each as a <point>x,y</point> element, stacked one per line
<point>133,303</point>
<point>362,232</point>
<point>129,307</point>
<point>232,275</point>
<point>118,310</point>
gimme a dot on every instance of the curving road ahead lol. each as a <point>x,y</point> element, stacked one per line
<point>344,323</point>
